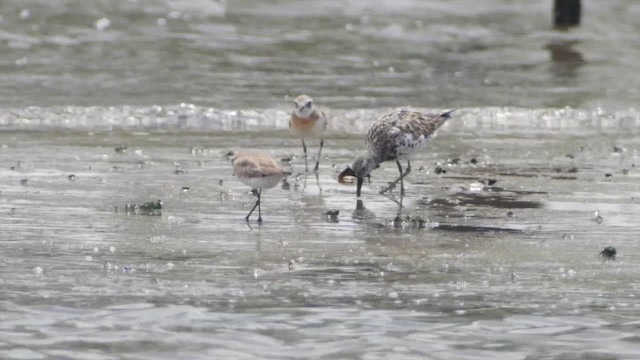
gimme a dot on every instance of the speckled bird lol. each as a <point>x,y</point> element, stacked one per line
<point>258,171</point>
<point>308,121</point>
<point>395,136</point>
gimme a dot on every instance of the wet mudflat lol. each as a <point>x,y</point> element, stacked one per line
<point>493,253</point>
<point>107,107</point>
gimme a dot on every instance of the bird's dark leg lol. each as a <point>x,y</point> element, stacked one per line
<point>319,152</point>
<point>406,172</point>
<point>256,193</point>
<point>400,179</point>
<point>304,148</point>
<point>318,180</point>
<point>259,207</point>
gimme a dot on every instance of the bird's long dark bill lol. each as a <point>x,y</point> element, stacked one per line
<point>360,180</point>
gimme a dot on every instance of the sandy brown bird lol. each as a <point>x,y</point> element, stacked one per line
<point>258,171</point>
<point>308,121</point>
<point>395,136</point>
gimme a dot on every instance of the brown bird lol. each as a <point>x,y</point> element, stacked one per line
<point>308,121</point>
<point>257,171</point>
<point>394,136</point>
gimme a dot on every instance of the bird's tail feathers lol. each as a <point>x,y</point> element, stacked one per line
<point>447,114</point>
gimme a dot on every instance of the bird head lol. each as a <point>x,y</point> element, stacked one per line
<point>303,106</point>
<point>361,168</point>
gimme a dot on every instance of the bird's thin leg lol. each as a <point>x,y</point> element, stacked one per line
<point>395,182</point>
<point>304,148</point>
<point>406,172</point>
<point>318,180</point>
<point>256,193</point>
<point>259,207</point>
<point>319,152</point>
<point>400,179</point>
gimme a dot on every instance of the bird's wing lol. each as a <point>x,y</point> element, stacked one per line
<point>398,127</point>
<point>256,165</point>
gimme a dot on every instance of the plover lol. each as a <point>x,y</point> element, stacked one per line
<point>259,172</point>
<point>308,121</point>
<point>395,136</point>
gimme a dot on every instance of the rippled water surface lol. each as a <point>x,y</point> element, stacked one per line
<point>482,269</point>
<point>355,53</point>
<point>492,254</point>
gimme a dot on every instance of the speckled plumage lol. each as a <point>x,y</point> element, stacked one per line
<point>399,134</point>
<point>394,136</point>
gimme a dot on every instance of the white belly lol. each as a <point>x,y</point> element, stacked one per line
<point>265,182</point>
<point>408,145</point>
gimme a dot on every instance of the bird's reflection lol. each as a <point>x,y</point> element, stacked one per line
<point>361,212</point>
<point>565,59</point>
<point>301,181</point>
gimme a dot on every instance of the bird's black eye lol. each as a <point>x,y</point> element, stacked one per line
<point>309,104</point>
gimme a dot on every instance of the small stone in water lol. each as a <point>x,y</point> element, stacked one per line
<point>24,181</point>
<point>72,177</point>
<point>608,253</point>
<point>121,149</point>
<point>149,208</point>
<point>332,215</point>
<point>608,175</point>
<point>510,214</point>
<point>285,184</point>
<point>220,182</point>
<point>286,160</point>
<point>152,205</point>
<point>439,170</point>
<point>185,189</point>
<point>618,149</point>
<point>473,161</point>
<point>178,172</point>
<point>489,182</point>
<point>597,218</point>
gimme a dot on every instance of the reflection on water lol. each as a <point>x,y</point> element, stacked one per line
<point>566,60</point>
<point>495,255</point>
<point>348,54</point>
<point>497,243</point>
<point>361,212</point>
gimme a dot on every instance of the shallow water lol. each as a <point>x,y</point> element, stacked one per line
<point>509,270</point>
<point>493,253</point>
<point>351,54</point>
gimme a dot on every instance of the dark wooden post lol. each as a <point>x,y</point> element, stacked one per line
<point>566,13</point>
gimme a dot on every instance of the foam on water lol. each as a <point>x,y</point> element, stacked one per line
<point>195,118</point>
